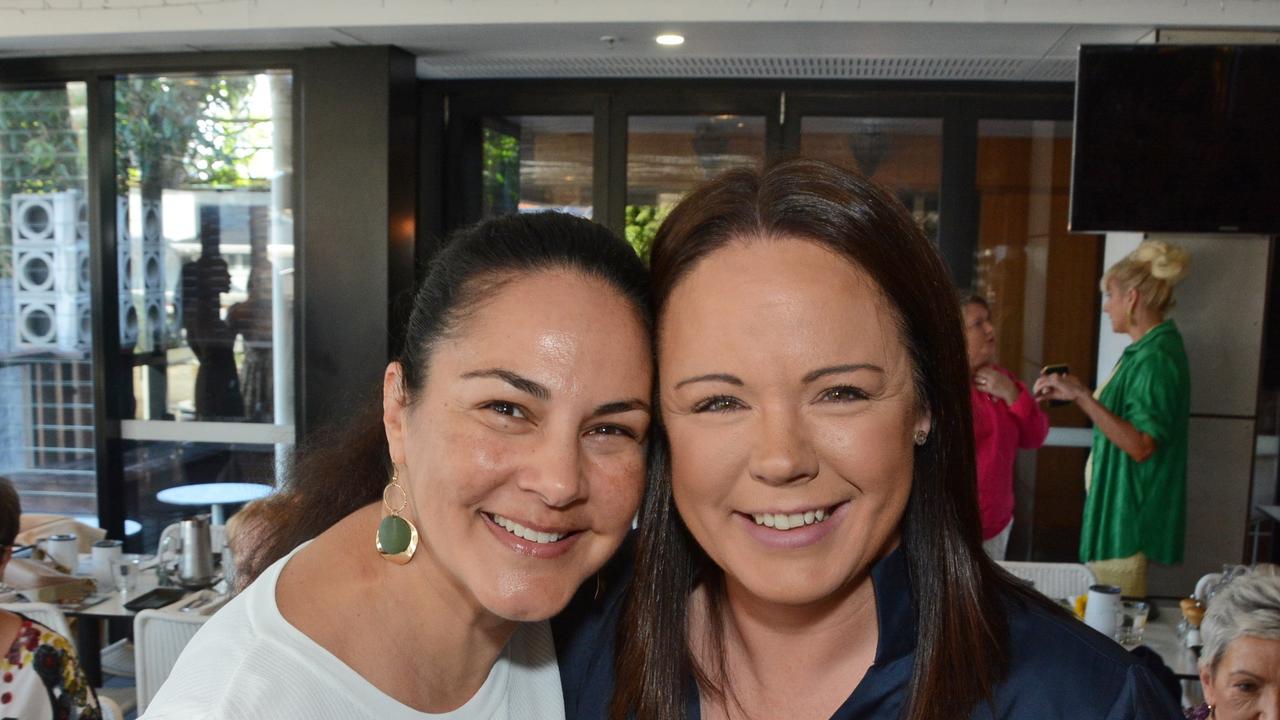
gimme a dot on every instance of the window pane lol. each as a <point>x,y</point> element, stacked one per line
<point>668,155</point>
<point>1042,285</point>
<point>205,238</point>
<point>46,379</point>
<point>153,466</point>
<point>903,154</point>
<point>537,162</point>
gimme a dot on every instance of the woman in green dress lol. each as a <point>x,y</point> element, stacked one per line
<point>1136,477</point>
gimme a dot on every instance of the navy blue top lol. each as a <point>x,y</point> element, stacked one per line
<point>1059,668</point>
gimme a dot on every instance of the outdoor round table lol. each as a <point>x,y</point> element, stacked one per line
<point>214,495</point>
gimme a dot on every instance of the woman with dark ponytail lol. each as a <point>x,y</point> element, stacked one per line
<point>421,548</point>
<point>809,544</point>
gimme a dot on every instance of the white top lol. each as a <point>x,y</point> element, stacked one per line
<point>249,662</point>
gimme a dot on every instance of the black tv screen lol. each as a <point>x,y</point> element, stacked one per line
<point>1177,138</point>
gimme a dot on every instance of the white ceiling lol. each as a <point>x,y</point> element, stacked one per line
<point>913,39</point>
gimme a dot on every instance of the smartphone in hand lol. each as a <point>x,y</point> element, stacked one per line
<point>1057,369</point>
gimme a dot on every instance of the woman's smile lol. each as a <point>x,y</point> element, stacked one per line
<point>791,457</point>
<point>793,530</point>
<point>528,539</point>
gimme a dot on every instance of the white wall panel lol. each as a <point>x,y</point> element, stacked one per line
<point>1217,503</point>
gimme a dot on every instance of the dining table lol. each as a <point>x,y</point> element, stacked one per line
<point>1161,635</point>
<point>214,495</point>
<point>96,611</point>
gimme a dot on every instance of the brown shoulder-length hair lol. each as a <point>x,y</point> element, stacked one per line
<point>961,634</point>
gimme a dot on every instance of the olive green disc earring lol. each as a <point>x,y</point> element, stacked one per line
<point>397,538</point>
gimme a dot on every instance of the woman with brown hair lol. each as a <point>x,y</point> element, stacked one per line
<point>809,543</point>
<point>413,566</point>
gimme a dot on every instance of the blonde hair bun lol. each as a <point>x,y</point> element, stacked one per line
<point>1166,262</point>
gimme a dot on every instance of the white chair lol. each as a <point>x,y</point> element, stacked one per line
<point>158,640</point>
<point>1053,580</point>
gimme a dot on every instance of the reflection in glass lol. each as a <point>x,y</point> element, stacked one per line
<point>903,154</point>
<point>46,379</point>
<point>1041,283</point>
<point>152,466</point>
<point>668,155</point>
<point>537,162</point>
<point>205,240</point>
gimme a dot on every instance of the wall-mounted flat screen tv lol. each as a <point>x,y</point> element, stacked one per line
<point>1177,138</point>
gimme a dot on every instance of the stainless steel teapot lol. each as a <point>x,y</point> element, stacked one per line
<point>194,546</point>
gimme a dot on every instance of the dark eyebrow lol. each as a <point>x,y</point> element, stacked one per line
<point>519,382</point>
<point>620,406</point>
<point>837,369</point>
<point>712,377</point>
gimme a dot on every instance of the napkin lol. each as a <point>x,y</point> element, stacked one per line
<point>41,583</point>
<point>204,602</point>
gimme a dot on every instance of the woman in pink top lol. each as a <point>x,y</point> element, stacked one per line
<point>1005,418</point>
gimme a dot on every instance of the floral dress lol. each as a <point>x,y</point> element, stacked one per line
<point>40,678</point>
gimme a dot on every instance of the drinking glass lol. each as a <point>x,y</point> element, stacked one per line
<point>124,574</point>
<point>1133,622</point>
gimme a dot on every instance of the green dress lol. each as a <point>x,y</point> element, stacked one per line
<point>1134,506</point>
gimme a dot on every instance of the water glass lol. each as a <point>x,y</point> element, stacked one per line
<point>124,574</point>
<point>1133,622</point>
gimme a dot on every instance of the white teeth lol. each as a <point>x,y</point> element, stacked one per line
<point>780,521</point>
<point>525,533</point>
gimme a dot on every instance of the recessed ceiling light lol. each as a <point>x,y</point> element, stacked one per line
<point>670,39</point>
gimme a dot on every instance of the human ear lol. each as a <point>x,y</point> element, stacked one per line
<point>924,420</point>
<point>1131,300</point>
<point>1206,683</point>
<point>394,410</point>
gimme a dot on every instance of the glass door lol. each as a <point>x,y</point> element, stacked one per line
<point>903,154</point>
<point>1041,283</point>
<point>205,252</point>
<point>668,155</point>
<point>46,373</point>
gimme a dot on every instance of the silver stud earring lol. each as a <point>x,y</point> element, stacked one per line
<point>921,437</point>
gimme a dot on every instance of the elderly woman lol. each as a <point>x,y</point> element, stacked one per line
<point>809,545</point>
<point>1240,660</point>
<point>1005,418</point>
<point>1136,477</point>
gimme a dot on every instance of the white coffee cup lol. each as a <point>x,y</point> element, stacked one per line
<point>106,553</point>
<point>1102,611</point>
<point>64,550</point>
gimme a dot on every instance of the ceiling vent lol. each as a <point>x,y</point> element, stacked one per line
<point>811,68</point>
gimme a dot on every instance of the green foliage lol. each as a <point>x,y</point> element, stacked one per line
<point>501,172</point>
<point>185,131</point>
<point>42,148</point>
<point>642,226</point>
